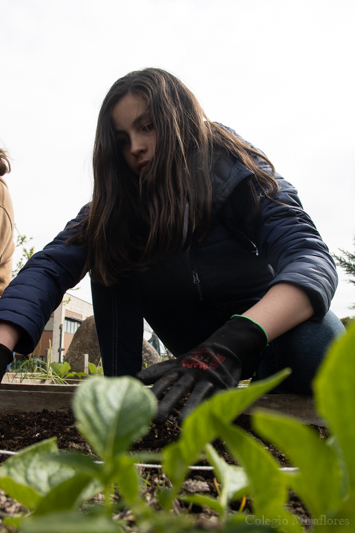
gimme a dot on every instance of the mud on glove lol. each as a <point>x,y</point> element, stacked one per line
<point>214,365</point>
<point>6,358</point>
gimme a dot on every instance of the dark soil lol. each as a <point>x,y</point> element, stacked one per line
<point>19,430</point>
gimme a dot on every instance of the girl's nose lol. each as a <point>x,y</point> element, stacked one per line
<point>137,145</point>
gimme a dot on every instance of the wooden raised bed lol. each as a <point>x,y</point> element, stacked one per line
<point>36,397</point>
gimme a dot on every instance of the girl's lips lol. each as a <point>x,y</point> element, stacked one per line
<point>142,165</point>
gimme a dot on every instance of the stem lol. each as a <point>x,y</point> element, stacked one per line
<point>108,498</point>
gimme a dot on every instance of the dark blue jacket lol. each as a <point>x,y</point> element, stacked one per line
<point>186,297</point>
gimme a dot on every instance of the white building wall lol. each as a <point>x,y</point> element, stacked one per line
<point>69,303</point>
<point>78,306</point>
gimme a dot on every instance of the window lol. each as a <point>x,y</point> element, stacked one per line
<point>71,325</point>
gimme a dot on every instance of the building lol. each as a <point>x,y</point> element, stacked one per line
<point>60,328</point>
<point>64,322</point>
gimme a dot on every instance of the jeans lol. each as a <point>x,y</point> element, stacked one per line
<point>301,349</point>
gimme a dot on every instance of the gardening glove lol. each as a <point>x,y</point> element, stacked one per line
<point>6,358</point>
<point>214,365</point>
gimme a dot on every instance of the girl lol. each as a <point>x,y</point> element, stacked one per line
<point>191,228</point>
<point>7,245</point>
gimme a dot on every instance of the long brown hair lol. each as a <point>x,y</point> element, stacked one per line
<point>133,222</point>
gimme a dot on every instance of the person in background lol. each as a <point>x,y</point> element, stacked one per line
<point>7,245</point>
<point>191,228</point>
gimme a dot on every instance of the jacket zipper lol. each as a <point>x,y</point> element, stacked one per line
<point>256,251</point>
<point>197,282</point>
<point>195,279</point>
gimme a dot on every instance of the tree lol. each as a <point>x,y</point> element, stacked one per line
<point>347,262</point>
<point>22,241</point>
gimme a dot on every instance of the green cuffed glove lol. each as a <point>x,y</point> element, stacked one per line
<point>214,365</point>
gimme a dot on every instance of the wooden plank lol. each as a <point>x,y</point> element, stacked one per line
<point>25,401</point>
<point>302,407</point>
<point>34,386</point>
<point>36,397</point>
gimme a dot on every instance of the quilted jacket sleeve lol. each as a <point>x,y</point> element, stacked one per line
<point>39,287</point>
<point>285,234</point>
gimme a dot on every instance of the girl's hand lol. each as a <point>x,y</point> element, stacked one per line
<point>214,365</point>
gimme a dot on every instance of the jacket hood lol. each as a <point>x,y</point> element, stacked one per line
<point>227,173</point>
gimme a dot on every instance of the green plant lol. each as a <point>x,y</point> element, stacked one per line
<point>27,253</point>
<point>63,370</point>
<point>35,368</point>
<point>347,262</point>
<point>96,370</point>
<point>326,477</point>
<point>112,413</point>
<point>199,429</point>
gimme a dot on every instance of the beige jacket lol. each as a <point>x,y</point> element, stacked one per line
<point>7,245</point>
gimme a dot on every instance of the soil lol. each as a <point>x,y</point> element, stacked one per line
<point>18,430</point>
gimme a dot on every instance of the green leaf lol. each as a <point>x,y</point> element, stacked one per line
<point>28,476</point>
<point>80,463</point>
<point>147,457</point>
<point>92,489</point>
<point>112,413</point>
<point>341,522</point>
<point>93,369</point>
<point>23,494</point>
<point>233,478</point>
<point>154,522</point>
<point>320,479</point>
<point>69,523</point>
<point>61,369</point>
<point>267,483</point>
<point>127,478</point>
<point>199,428</point>
<point>66,496</point>
<point>165,496</point>
<point>203,500</point>
<point>335,395</point>
<point>12,521</point>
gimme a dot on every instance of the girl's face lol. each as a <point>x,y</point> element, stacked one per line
<point>135,131</point>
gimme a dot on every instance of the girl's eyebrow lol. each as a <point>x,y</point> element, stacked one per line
<point>137,120</point>
<point>140,117</point>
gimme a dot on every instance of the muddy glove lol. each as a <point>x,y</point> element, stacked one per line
<point>6,358</point>
<point>214,365</point>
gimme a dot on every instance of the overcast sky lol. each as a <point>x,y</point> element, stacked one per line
<point>280,72</point>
